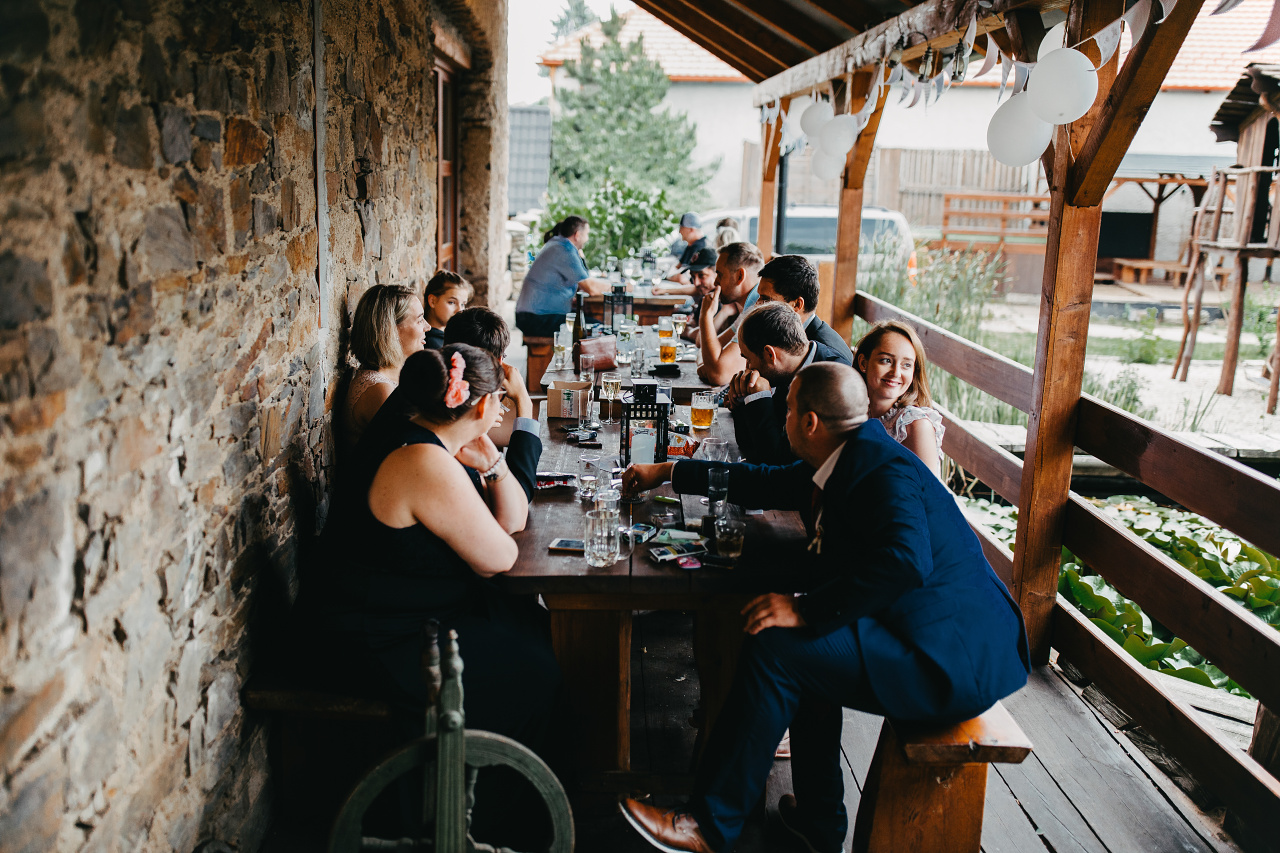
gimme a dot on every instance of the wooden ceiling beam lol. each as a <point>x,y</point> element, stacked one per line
<point>939,21</point>
<point>753,64</point>
<point>854,14</point>
<point>732,28</point>
<point>1135,87</point>
<point>787,21</point>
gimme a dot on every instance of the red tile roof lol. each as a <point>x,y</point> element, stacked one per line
<point>679,57</point>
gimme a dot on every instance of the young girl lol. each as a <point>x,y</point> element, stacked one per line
<point>447,293</point>
<point>891,358</point>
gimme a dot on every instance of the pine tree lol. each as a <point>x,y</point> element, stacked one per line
<point>576,15</point>
<point>610,127</point>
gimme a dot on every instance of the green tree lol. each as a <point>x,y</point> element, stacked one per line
<point>611,126</point>
<point>576,15</point>
<point>621,217</point>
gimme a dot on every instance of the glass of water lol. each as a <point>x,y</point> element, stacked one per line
<point>604,540</point>
<point>717,488</point>
<point>714,450</point>
<point>588,474</point>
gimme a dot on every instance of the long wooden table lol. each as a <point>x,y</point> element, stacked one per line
<point>683,387</point>
<point>591,609</point>
<point>647,307</point>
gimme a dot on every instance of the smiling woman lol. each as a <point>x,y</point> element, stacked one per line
<point>891,358</point>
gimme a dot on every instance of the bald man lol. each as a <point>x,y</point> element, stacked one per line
<point>903,618</point>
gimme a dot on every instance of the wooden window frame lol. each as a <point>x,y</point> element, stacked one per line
<point>448,165</point>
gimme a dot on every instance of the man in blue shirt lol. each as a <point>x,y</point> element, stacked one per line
<point>546,295</point>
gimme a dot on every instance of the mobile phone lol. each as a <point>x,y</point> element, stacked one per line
<point>577,546</point>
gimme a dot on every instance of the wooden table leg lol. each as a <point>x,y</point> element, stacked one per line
<point>594,651</point>
<point>717,640</point>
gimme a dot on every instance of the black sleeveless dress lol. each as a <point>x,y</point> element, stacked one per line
<point>378,585</point>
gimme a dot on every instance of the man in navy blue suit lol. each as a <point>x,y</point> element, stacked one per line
<point>773,343</point>
<point>903,618</point>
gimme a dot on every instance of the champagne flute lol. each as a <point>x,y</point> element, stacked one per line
<point>610,389</point>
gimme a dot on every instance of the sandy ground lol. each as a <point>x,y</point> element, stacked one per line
<point>1175,402</point>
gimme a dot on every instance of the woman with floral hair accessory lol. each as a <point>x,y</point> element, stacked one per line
<point>420,524</point>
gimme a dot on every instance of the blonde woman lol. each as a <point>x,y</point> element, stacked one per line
<point>891,358</point>
<point>389,327</point>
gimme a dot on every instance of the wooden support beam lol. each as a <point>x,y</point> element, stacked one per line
<point>941,22</point>
<point>770,153</point>
<point>789,22</point>
<point>1127,102</point>
<point>718,22</point>
<point>844,284</point>
<point>1071,254</point>
<point>1235,326</point>
<point>754,64</point>
<point>854,14</point>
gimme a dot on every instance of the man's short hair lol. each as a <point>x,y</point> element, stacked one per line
<point>481,328</point>
<point>793,277</point>
<point>742,256</point>
<point>775,325</point>
<point>835,392</point>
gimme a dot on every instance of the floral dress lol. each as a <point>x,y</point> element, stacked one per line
<point>896,421</point>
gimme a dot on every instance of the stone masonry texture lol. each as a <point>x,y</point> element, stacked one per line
<point>168,379</point>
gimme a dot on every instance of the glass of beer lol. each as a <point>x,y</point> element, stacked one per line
<point>678,322</point>
<point>610,389</point>
<point>666,329</point>
<point>729,535</point>
<point>703,411</point>
<point>667,350</point>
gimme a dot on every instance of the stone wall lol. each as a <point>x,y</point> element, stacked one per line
<point>167,377</point>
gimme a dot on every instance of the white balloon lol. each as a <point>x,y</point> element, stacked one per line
<point>1054,39</point>
<point>797,108</point>
<point>814,117</point>
<point>839,135</point>
<point>825,166</point>
<point>1016,137</point>
<point>1063,86</point>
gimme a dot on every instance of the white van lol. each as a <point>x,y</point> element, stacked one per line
<point>811,231</point>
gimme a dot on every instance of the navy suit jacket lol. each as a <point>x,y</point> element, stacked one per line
<point>760,426</point>
<point>940,636</point>
<point>816,330</point>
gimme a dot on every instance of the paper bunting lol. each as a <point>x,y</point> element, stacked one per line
<point>1108,39</point>
<point>918,89</point>
<point>1021,71</point>
<point>1226,6</point>
<point>1271,32</point>
<point>989,61</point>
<point>970,34</point>
<point>1005,64</point>
<point>1137,16</point>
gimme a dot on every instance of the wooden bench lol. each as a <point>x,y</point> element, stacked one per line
<point>540,351</point>
<point>1138,270</point>
<point>927,786</point>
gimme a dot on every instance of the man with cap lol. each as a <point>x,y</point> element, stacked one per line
<point>695,241</point>
<point>900,616</point>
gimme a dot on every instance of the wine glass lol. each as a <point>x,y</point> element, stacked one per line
<point>610,389</point>
<point>679,321</point>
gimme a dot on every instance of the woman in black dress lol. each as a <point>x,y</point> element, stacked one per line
<point>423,522</point>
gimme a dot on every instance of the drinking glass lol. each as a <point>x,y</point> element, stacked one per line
<point>717,488</point>
<point>729,535</point>
<point>610,389</point>
<point>587,373</point>
<point>714,450</point>
<point>608,498</point>
<point>561,359</point>
<point>637,362</point>
<point>667,348</point>
<point>666,328</point>
<point>703,411</point>
<point>569,321</point>
<point>678,322</point>
<point>664,388</point>
<point>605,540</point>
<point>588,475</point>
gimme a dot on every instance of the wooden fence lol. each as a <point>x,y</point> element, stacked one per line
<point>1222,490</point>
<point>914,181</point>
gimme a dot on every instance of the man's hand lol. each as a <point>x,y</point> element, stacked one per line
<point>639,478</point>
<point>480,453</point>
<point>772,610</point>
<point>745,383</point>
<point>711,303</point>
<point>517,391</point>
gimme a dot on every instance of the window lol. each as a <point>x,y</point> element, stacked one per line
<point>447,180</point>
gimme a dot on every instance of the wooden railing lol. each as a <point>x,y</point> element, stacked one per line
<point>1013,223</point>
<point>1220,489</point>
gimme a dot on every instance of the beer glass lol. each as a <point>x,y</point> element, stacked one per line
<point>703,411</point>
<point>604,540</point>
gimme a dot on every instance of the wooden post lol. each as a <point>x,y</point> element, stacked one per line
<point>1066,296</point>
<point>770,151</point>
<point>1235,324</point>
<point>838,301</point>
<point>1274,365</point>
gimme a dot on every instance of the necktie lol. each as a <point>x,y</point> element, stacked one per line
<point>813,523</point>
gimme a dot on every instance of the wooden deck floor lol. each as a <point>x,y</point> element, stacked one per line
<point>1085,789</point>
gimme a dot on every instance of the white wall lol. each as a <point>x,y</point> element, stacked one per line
<point>725,119</point>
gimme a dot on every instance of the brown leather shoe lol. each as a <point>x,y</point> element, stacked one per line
<point>668,830</point>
